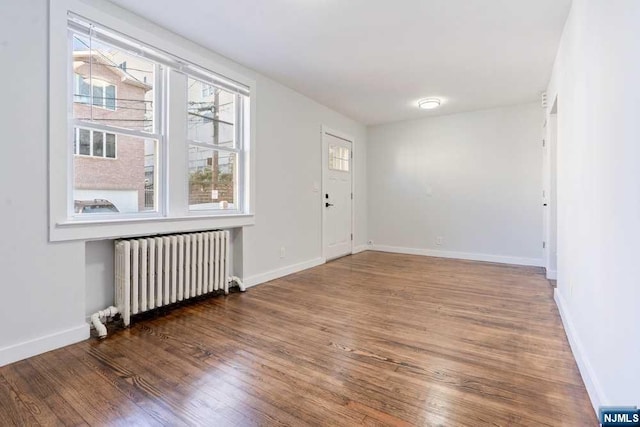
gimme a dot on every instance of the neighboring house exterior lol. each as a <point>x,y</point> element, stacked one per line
<point>111,88</point>
<point>106,165</point>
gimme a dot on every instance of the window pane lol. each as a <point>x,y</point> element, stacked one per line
<point>110,146</point>
<point>211,114</point>
<point>98,144</point>
<point>207,89</point>
<point>85,142</point>
<point>98,94</point>
<point>212,179</point>
<point>82,92</point>
<point>332,157</point>
<point>344,156</point>
<point>150,176</point>
<point>125,184</point>
<point>122,96</point>
<point>110,97</point>
<point>339,158</point>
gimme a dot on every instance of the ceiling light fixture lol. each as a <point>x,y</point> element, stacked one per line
<point>429,103</point>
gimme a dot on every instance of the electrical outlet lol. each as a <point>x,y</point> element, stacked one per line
<point>283,253</point>
<point>439,240</point>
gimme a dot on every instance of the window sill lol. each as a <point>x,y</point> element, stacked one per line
<point>143,226</point>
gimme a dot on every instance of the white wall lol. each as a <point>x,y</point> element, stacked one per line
<point>596,80</point>
<point>473,179</point>
<point>98,275</point>
<point>43,284</point>
<point>289,163</point>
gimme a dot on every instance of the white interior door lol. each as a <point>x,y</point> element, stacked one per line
<point>337,169</point>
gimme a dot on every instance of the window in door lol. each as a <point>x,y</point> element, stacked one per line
<point>339,158</point>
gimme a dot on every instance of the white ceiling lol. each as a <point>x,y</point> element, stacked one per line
<point>373,59</point>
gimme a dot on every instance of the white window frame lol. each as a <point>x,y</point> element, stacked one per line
<point>157,133</point>
<point>173,213</point>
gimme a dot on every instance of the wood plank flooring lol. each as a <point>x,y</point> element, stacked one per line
<point>371,339</point>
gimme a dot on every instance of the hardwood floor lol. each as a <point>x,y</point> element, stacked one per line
<point>370,339</point>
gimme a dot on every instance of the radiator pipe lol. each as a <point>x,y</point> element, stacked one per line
<point>101,316</point>
<point>239,282</point>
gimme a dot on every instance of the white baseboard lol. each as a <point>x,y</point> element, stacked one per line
<point>594,389</point>
<point>26,349</point>
<point>552,275</point>
<point>359,248</point>
<point>281,272</point>
<point>537,262</point>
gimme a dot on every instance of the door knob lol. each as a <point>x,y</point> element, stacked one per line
<point>326,205</point>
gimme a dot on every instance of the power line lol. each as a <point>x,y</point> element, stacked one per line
<point>118,107</point>
<point>210,102</point>
<point>118,99</point>
<point>113,120</point>
<point>127,69</point>
<point>209,118</point>
<point>108,59</point>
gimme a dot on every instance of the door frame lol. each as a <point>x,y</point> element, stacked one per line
<point>325,165</point>
<point>545,193</point>
<point>550,192</point>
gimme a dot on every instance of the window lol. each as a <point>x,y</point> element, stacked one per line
<point>104,94</point>
<point>94,143</point>
<point>175,134</point>
<point>339,158</point>
<point>99,76</point>
<point>213,144</point>
<point>82,93</point>
<point>207,90</point>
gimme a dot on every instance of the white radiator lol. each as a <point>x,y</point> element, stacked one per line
<point>157,271</point>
